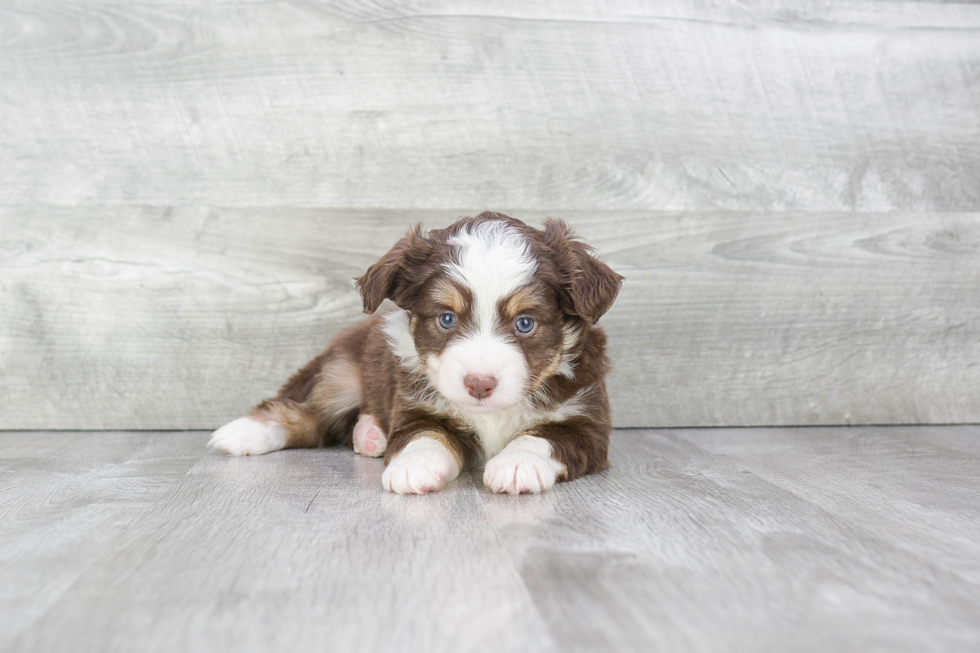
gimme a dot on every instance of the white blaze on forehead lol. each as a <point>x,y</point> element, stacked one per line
<point>492,260</point>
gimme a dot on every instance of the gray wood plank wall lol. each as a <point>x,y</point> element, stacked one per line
<point>792,191</point>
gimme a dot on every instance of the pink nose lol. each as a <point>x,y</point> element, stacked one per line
<point>479,386</point>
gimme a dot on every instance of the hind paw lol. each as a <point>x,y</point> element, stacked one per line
<point>369,439</point>
<point>248,437</point>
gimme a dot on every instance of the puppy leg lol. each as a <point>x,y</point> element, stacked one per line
<point>315,407</point>
<point>535,461</point>
<point>425,463</point>
<point>272,425</point>
<point>525,465</point>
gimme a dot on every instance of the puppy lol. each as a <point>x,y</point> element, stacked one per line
<point>492,355</point>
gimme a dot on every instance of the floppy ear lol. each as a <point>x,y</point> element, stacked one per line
<point>397,275</point>
<point>589,286</point>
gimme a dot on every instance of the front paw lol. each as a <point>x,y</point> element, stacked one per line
<point>248,437</point>
<point>525,465</point>
<point>424,465</point>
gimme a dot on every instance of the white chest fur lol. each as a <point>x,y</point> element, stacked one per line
<point>497,429</point>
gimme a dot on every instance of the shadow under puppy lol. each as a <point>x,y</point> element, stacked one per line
<point>492,355</point>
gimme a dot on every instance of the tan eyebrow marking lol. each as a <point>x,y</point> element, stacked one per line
<point>447,294</point>
<point>521,300</point>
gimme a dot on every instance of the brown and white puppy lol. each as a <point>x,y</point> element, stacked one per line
<point>492,355</point>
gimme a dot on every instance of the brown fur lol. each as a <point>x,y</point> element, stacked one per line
<point>570,292</point>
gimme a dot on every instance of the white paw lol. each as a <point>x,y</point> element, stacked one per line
<point>525,465</point>
<point>369,439</point>
<point>248,437</point>
<point>424,465</point>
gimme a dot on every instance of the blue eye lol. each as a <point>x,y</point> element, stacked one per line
<point>447,320</point>
<point>524,324</point>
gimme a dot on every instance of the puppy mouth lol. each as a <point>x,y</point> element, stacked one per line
<point>486,405</point>
<point>481,406</point>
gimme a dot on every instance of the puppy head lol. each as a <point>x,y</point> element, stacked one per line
<point>493,308</point>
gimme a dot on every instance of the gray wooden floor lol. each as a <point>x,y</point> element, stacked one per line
<point>821,539</point>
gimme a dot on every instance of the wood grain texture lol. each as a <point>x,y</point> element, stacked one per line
<point>67,500</point>
<point>185,317</point>
<point>873,475</point>
<point>676,105</point>
<point>843,539</point>
<point>299,552</point>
